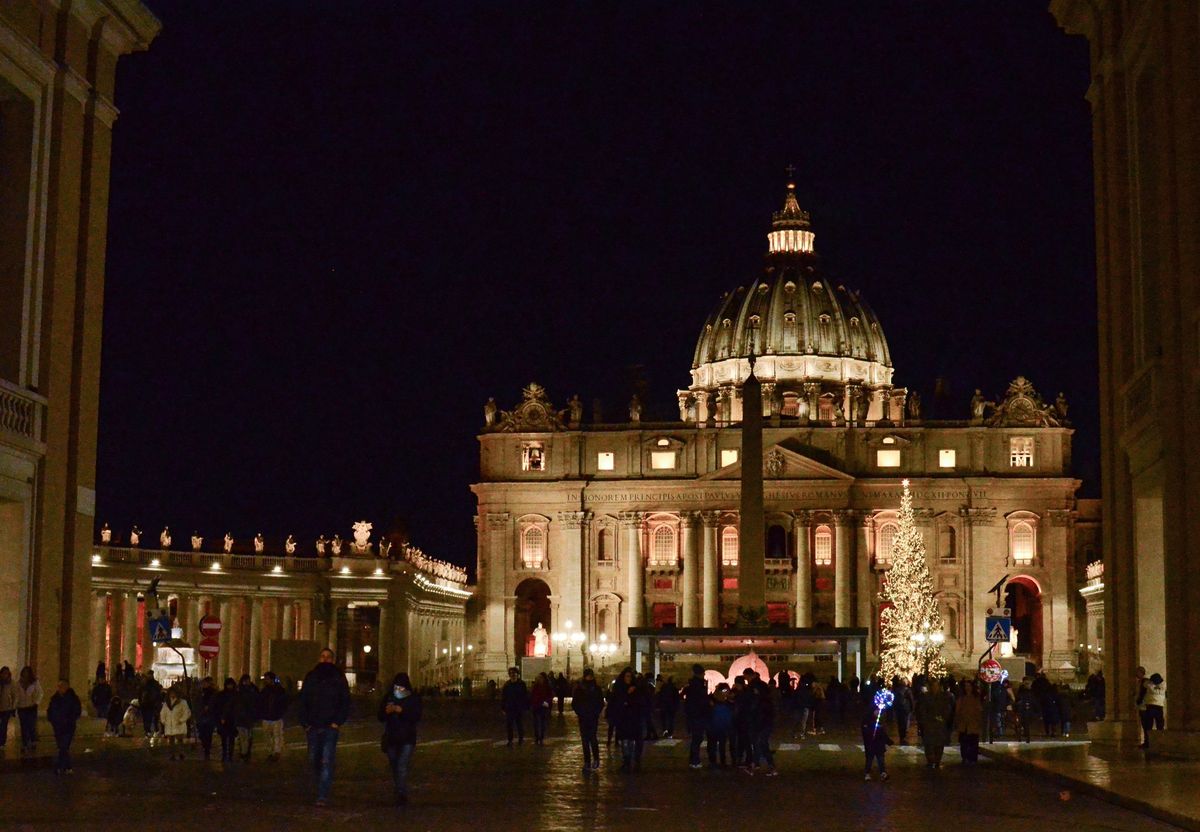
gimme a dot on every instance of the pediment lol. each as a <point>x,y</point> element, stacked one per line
<point>783,463</point>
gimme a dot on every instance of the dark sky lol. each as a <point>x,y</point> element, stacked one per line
<point>336,228</point>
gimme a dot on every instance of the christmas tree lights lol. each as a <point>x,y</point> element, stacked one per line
<point>911,627</point>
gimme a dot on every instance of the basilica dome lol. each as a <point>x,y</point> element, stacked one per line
<point>809,337</point>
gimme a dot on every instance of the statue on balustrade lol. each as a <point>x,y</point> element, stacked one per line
<point>1060,408</point>
<point>197,541</point>
<point>135,536</point>
<point>164,538</point>
<point>575,408</point>
<point>385,548</point>
<point>635,409</point>
<point>489,412</point>
<point>335,545</point>
<point>105,534</point>
<point>321,546</point>
<point>979,406</point>
<point>362,537</point>
<point>914,405</point>
<point>259,543</point>
<point>289,545</point>
<point>228,542</point>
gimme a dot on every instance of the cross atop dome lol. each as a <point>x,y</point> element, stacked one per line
<point>790,230</point>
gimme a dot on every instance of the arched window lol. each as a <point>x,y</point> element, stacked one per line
<point>663,551</point>
<point>777,548</point>
<point>951,617</point>
<point>601,622</point>
<point>947,544</point>
<point>729,546</point>
<point>823,546</point>
<point>1022,543</point>
<point>885,542</point>
<point>604,545</point>
<point>533,547</point>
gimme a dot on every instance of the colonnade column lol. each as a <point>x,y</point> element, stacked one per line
<point>842,612</point>
<point>691,568</point>
<point>129,629</point>
<point>146,642</point>
<point>256,638</point>
<point>712,568</point>
<point>115,616</point>
<point>332,635</point>
<point>97,633</point>
<point>864,584</point>
<point>631,526</point>
<point>804,598</point>
<point>289,620</point>
<point>224,640</point>
<point>383,643</point>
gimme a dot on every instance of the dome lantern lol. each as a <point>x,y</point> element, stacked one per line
<point>790,230</point>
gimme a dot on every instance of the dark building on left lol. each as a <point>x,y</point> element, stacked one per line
<point>58,62</point>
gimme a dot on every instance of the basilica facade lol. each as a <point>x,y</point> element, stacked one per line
<point>591,529</point>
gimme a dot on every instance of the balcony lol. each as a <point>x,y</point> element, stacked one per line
<point>22,414</point>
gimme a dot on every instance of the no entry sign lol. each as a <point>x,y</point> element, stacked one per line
<point>210,627</point>
<point>208,649</point>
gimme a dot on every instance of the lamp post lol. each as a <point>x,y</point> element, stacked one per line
<point>603,648</point>
<point>567,638</point>
<point>924,642</point>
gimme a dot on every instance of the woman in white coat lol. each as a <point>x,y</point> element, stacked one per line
<point>174,717</point>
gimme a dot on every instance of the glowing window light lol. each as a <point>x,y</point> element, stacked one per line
<point>729,456</point>
<point>662,460</point>
<point>887,458</point>
<point>605,461</point>
<point>823,546</point>
<point>729,546</point>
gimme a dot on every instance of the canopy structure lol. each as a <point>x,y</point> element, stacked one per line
<point>652,646</point>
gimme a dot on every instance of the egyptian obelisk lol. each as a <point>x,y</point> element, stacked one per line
<point>752,582</point>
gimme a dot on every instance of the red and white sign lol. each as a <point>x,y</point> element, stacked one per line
<point>208,648</point>
<point>991,671</point>
<point>210,627</point>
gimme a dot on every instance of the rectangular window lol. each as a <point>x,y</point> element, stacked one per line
<point>887,458</point>
<point>662,460</point>
<point>823,546</point>
<point>604,461</point>
<point>729,583</point>
<point>946,458</point>
<point>729,456</point>
<point>1021,451</point>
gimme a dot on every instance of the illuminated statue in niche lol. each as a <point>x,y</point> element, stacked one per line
<point>541,641</point>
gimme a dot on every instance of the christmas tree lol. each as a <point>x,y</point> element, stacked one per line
<point>911,625</point>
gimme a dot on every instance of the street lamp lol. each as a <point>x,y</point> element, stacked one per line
<point>567,638</point>
<point>603,649</point>
<point>924,642</point>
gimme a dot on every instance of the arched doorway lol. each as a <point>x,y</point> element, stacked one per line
<point>1024,598</point>
<point>532,608</point>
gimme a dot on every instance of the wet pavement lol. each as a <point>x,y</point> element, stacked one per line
<point>1163,787</point>
<point>464,777</point>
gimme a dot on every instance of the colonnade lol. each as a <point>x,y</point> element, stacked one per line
<point>249,623</point>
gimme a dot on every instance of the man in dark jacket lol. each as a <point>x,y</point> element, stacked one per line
<point>514,700</point>
<point>150,700</point>
<point>272,704</point>
<point>324,708</point>
<point>63,712</point>
<point>587,701</point>
<point>247,713</point>
<point>696,706</point>
<point>102,694</point>
<point>400,711</point>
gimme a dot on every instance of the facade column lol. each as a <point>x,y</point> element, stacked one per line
<point>129,629</point>
<point>631,526</point>
<point>690,524</point>
<point>304,620</point>
<point>182,618</point>
<point>710,614</point>
<point>571,590</point>
<point>495,561</point>
<point>221,665</point>
<point>98,633</point>
<point>864,587</point>
<point>331,635</point>
<point>256,638</point>
<point>804,597</point>
<point>842,610</point>
<point>288,618</point>
<point>115,618</point>
<point>383,643</point>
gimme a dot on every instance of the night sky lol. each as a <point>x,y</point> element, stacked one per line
<point>336,228</point>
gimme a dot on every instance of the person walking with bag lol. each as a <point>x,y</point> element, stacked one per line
<point>587,701</point>
<point>29,696</point>
<point>400,711</point>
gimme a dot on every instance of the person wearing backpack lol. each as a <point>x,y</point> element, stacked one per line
<point>400,711</point>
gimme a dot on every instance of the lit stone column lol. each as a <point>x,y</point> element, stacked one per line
<point>332,634</point>
<point>804,598</point>
<point>710,613</point>
<point>256,638</point>
<point>691,568</point>
<point>573,525</point>
<point>864,583</point>
<point>191,632</point>
<point>631,526</point>
<point>383,643</point>
<point>112,654</point>
<point>289,620</point>
<point>495,561</point>
<point>842,611</point>
<point>224,640</point>
<point>147,642</point>
<point>129,631</point>
<point>182,620</point>
<point>98,633</point>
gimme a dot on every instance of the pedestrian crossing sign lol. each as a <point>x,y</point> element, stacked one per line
<point>998,628</point>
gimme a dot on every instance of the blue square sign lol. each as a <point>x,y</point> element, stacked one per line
<point>998,628</point>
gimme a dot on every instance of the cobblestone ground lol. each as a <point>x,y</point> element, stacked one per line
<point>464,778</point>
